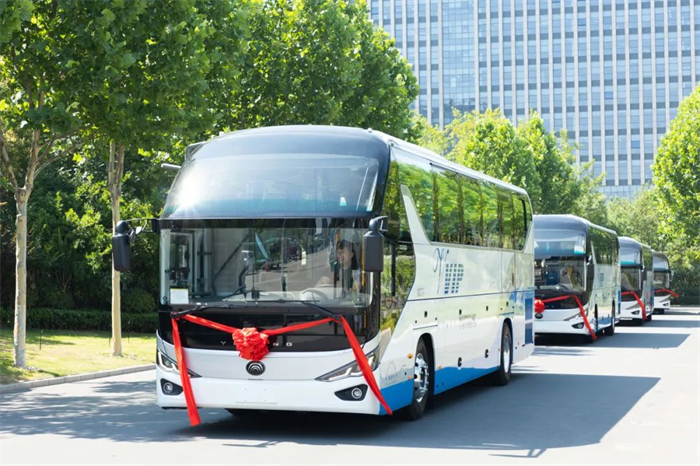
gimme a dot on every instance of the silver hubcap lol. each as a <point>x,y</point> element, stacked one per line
<point>421,377</point>
<point>506,353</point>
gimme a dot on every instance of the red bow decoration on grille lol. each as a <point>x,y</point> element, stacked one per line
<point>253,345</point>
<point>540,307</point>
<point>250,343</point>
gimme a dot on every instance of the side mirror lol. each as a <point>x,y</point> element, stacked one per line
<point>121,247</point>
<point>373,246</point>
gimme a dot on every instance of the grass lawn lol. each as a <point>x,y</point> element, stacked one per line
<point>66,352</point>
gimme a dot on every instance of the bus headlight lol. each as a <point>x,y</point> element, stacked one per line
<point>577,315</point>
<point>169,365</point>
<point>350,370</point>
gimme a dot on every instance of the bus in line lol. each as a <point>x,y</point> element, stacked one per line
<point>576,258</point>
<point>662,283</point>
<point>268,228</point>
<point>637,281</point>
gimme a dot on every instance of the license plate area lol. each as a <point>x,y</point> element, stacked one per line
<point>255,395</point>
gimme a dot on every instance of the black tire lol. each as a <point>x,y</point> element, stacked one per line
<point>422,384</point>
<point>610,331</point>
<point>502,376</point>
<point>638,322</point>
<point>649,317</point>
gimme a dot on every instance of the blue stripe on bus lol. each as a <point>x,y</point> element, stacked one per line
<point>400,395</point>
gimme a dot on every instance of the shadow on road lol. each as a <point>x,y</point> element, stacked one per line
<point>557,344</point>
<point>536,412</point>
<point>675,323</point>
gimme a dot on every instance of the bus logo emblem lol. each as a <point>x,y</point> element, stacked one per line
<point>255,368</point>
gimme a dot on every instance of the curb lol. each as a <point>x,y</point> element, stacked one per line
<point>23,386</point>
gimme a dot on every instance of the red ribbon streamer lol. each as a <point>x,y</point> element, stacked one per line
<point>675,295</point>
<point>639,301</point>
<point>540,307</point>
<point>252,342</point>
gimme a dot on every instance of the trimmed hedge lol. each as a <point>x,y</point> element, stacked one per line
<point>687,296</point>
<point>84,319</point>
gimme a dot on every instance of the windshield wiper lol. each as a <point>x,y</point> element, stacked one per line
<point>206,307</point>
<point>306,302</point>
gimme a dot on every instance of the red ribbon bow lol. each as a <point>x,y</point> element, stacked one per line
<point>253,345</point>
<point>250,343</point>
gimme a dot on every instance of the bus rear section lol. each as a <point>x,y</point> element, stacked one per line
<point>662,283</point>
<point>637,281</point>
<point>576,276</point>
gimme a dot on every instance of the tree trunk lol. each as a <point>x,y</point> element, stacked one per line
<point>114,182</point>
<point>20,329</point>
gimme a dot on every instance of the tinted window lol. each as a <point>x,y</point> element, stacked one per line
<point>519,231</point>
<point>491,215</point>
<point>450,206</point>
<point>417,176</point>
<point>472,211</point>
<point>505,208</point>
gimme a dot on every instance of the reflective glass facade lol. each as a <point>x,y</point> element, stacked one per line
<point>611,72</point>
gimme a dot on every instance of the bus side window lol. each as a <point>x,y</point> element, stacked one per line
<point>505,208</point>
<point>417,176</point>
<point>491,217</point>
<point>472,211</point>
<point>519,231</point>
<point>450,216</point>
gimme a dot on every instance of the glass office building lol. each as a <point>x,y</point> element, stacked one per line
<point>611,72</point>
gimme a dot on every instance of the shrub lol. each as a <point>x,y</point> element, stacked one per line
<point>137,301</point>
<point>90,319</point>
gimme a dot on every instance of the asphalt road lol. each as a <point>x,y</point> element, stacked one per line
<point>628,399</point>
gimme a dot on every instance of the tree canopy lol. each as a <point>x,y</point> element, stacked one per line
<point>677,173</point>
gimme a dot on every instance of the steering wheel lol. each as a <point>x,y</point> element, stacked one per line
<point>316,291</point>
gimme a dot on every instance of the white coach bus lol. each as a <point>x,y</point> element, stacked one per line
<point>637,280</point>
<point>576,262</point>
<point>662,283</point>
<point>269,228</point>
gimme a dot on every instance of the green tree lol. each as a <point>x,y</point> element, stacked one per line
<point>559,185</point>
<point>429,136</point>
<point>637,218</point>
<point>320,62</point>
<point>145,70</point>
<point>38,119</point>
<point>487,142</point>
<point>677,173</point>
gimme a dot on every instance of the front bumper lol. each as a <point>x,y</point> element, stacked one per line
<point>274,395</point>
<point>552,321</point>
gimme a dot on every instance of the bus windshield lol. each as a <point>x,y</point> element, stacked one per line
<point>236,265</point>
<point>274,185</point>
<point>559,243</point>
<point>560,274</point>
<point>631,279</point>
<point>630,256</point>
<point>662,279</point>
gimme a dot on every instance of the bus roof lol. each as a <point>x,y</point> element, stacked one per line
<point>567,222</point>
<point>340,138</point>
<point>662,260</point>
<point>632,243</point>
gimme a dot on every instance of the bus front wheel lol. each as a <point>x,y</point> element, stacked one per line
<point>422,383</point>
<point>502,376</point>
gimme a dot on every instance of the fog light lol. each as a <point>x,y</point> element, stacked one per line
<point>579,325</point>
<point>635,313</point>
<point>170,388</point>
<point>356,393</point>
<point>538,316</point>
